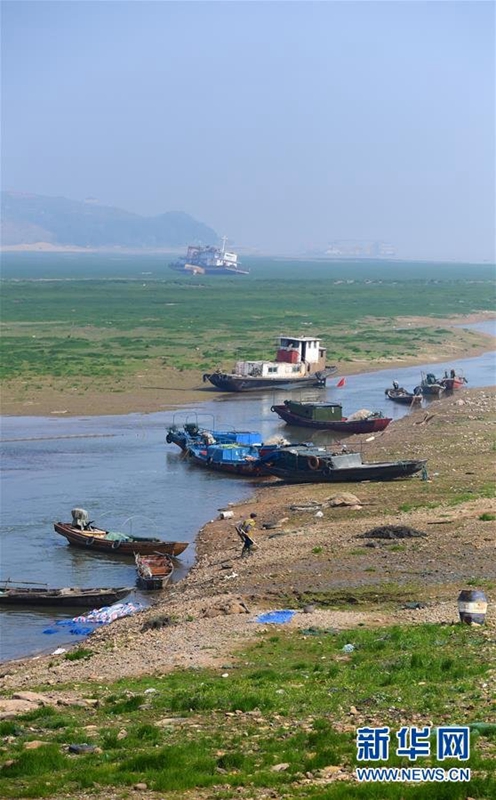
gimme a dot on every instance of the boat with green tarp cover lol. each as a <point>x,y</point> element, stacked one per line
<point>329,416</point>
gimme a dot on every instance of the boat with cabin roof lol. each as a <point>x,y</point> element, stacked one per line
<point>329,417</point>
<point>209,260</point>
<point>306,463</point>
<point>300,361</point>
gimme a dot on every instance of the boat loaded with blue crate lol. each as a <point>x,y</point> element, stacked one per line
<point>235,459</point>
<point>192,433</point>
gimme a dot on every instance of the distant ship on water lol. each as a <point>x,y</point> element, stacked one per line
<point>209,260</point>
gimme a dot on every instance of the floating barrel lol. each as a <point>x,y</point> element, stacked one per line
<point>472,606</point>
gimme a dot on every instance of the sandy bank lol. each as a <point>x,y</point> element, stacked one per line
<point>167,389</point>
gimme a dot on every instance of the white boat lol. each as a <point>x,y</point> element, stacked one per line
<point>300,361</point>
<point>209,260</point>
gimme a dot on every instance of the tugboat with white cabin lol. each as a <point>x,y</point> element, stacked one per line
<point>300,361</point>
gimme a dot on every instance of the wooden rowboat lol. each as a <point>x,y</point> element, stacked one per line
<point>154,572</point>
<point>402,396</point>
<point>97,539</point>
<point>69,596</point>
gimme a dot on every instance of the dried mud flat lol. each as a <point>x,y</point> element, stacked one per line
<point>312,557</point>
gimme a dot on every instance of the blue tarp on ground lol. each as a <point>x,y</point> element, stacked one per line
<point>277,617</point>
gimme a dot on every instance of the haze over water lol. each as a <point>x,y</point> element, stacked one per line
<point>285,125</point>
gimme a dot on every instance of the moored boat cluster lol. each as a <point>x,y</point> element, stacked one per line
<point>300,361</point>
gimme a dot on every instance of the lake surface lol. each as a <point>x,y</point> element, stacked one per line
<point>122,471</point>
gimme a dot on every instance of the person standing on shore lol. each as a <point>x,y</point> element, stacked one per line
<point>245,531</point>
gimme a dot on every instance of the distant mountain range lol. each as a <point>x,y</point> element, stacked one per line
<point>30,218</point>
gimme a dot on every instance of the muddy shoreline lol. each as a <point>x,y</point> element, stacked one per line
<point>169,389</point>
<point>318,562</point>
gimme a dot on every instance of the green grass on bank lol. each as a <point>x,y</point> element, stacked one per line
<point>113,326</point>
<point>292,698</point>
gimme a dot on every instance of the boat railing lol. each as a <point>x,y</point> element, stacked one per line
<point>24,583</point>
<point>201,420</point>
<point>141,518</point>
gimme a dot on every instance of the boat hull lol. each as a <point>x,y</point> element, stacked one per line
<point>91,540</point>
<point>67,598</point>
<point>195,269</point>
<point>386,471</point>
<point>153,572</point>
<point>406,399</point>
<point>241,469</point>
<point>227,382</point>
<point>340,426</point>
<point>450,384</point>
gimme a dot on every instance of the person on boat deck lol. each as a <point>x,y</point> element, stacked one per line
<point>245,531</point>
<point>396,385</point>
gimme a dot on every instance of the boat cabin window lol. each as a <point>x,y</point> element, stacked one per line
<point>346,460</point>
<point>272,369</point>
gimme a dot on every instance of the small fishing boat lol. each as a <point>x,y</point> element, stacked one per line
<point>83,533</point>
<point>430,385</point>
<point>67,596</point>
<point>329,417</point>
<point>300,361</point>
<point>453,380</point>
<point>235,459</point>
<point>193,434</point>
<point>401,395</point>
<point>307,463</point>
<point>154,572</point>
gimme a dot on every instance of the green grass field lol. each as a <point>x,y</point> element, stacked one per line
<point>290,698</point>
<point>133,310</point>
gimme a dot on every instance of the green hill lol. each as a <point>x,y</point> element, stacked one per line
<point>30,218</point>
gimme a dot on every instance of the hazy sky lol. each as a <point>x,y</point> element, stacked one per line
<point>284,125</point>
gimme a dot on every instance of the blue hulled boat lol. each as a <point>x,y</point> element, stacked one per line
<point>235,459</point>
<point>192,434</point>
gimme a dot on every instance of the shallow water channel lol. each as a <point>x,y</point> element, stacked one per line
<point>122,471</point>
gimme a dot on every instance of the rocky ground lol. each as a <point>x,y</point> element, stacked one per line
<point>310,556</point>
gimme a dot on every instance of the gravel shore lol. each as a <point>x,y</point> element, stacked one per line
<point>310,557</point>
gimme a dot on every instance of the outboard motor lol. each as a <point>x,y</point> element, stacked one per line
<point>80,518</point>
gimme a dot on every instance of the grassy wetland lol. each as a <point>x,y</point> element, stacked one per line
<point>192,702</point>
<point>90,324</point>
<point>279,721</point>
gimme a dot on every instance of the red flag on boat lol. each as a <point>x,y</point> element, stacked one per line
<point>341,383</point>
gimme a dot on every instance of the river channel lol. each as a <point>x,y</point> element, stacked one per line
<point>122,471</point>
